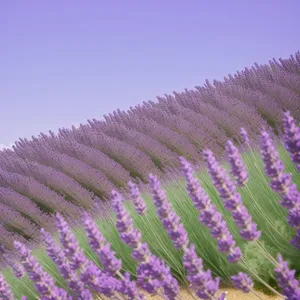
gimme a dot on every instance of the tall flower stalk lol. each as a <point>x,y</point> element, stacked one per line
<point>151,271</point>
<point>282,184</point>
<point>231,198</point>
<point>209,215</point>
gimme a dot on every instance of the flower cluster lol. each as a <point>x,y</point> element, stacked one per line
<point>209,215</point>
<point>137,200</point>
<point>231,198</point>
<point>282,183</point>
<point>151,271</point>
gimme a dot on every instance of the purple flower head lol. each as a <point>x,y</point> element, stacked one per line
<point>152,272</point>
<point>5,292</point>
<point>137,200</point>
<point>202,281</point>
<point>55,252</point>
<point>242,282</point>
<point>237,167</point>
<point>98,281</point>
<point>292,138</point>
<point>18,269</point>
<point>110,263</point>
<point>70,244</point>
<point>129,288</point>
<point>209,215</point>
<point>273,165</point>
<point>286,280</point>
<point>244,136</point>
<point>168,217</point>
<point>232,200</point>
<point>44,283</point>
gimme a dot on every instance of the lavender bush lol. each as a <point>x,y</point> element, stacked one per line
<point>77,169</point>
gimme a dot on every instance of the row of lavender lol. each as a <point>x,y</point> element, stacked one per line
<point>153,275</point>
<point>75,168</point>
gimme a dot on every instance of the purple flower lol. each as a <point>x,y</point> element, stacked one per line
<point>292,138</point>
<point>242,282</point>
<point>232,200</point>
<point>110,263</point>
<point>281,183</point>
<point>57,255</point>
<point>18,269</point>
<point>244,136</point>
<point>44,283</point>
<point>152,272</point>
<point>168,217</point>
<point>137,200</point>
<point>286,280</point>
<point>5,292</point>
<point>70,244</point>
<point>95,279</point>
<point>209,215</point>
<point>201,281</point>
<point>129,288</point>
<point>237,167</point>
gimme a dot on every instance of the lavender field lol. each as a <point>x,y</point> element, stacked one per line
<point>212,178</point>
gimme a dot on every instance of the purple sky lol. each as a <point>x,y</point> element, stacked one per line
<point>63,62</point>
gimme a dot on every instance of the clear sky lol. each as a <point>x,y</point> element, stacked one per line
<point>63,62</point>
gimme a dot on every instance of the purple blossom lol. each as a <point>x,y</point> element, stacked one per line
<point>286,280</point>
<point>168,217</point>
<point>282,183</point>
<point>292,138</point>
<point>5,292</point>
<point>244,136</point>
<point>129,288</point>
<point>242,282</point>
<point>70,244</point>
<point>209,215</point>
<point>99,245</point>
<point>201,281</point>
<point>151,271</point>
<point>237,167</point>
<point>17,268</point>
<point>137,200</point>
<point>99,281</point>
<point>57,255</point>
<point>44,283</point>
<point>232,200</point>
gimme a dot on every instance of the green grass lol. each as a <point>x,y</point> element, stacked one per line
<point>260,200</point>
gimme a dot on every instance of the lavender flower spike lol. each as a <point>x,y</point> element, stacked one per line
<point>70,244</point>
<point>5,292</point>
<point>44,283</point>
<point>168,217</point>
<point>201,281</point>
<point>237,167</point>
<point>111,264</point>
<point>55,252</point>
<point>282,183</point>
<point>292,138</point>
<point>137,200</point>
<point>209,215</point>
<point>244,136</point>
<point>152,272</point>
<point>232,200</point>
<point>286,280</point>
<point>242,282</point>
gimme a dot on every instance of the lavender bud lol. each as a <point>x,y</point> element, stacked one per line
<point>168,217</point>
<point>5,292</point>
<point>137,200</point>
<point>286,280</point>
<point>292,138</point>
<point>237,167</point>
<point>244,136</point>
<point>242,282</point>
<point>110,263</point>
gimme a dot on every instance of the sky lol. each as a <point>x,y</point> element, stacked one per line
<point>63,62</point>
